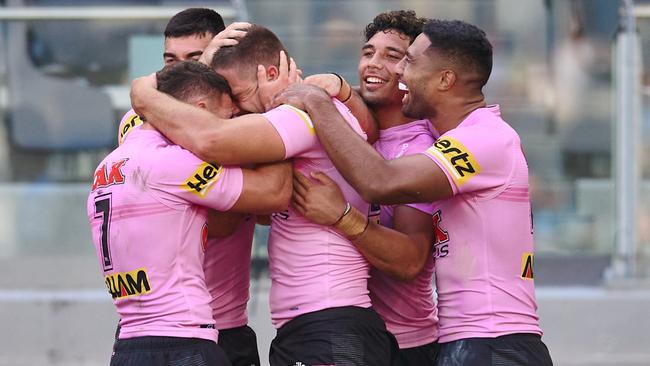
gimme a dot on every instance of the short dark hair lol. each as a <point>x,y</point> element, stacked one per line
<point>463,44</point>
<point>260,46</point>
<point>187,79</point>
<point>404,21</point>
<point>194,21</point>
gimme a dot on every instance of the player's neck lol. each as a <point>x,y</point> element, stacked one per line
<point>390,116</point>
<point>454,112</point>
<point>147,126</point>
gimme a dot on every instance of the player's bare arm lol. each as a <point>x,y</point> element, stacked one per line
<point>336,86</point>
<point>245,139</point>
<point>401,252</point>
<point>267,189</point>
<point>405,180</point>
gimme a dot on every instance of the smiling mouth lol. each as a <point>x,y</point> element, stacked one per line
<point>373,80</point>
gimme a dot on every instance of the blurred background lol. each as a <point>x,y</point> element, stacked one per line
<point>571,77</point>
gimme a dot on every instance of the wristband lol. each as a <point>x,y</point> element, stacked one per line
<point>353,224</point>
<point>345,212</point>
<point>343,84</point>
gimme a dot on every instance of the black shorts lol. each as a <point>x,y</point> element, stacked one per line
<point>167,351</point>
<point>425,354</point>
<point>510,350</point>
<point>240,345</point>
<point>337,336</point>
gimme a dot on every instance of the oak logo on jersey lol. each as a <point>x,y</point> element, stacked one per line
<point>527,262</point>
<point>128,126</point>
<point>440,237</point>
<point>203,179</point>
<point>459,161</point>
<point>125,284</point>
<point>105,177</point>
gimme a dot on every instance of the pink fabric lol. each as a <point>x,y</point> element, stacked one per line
<point>312,266</point>
<point>149,193</point>
<point>227,267</point>
<point>407,307</point>
<point>484,232</point>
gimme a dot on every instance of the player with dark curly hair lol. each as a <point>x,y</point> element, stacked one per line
<point>402,258</point>
<point>476,174</point>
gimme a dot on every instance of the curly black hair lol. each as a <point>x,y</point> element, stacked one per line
<point>462,43</point>
<point>404,21</point>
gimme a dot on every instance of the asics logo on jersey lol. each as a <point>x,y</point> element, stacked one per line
<point>125,284</point>
<point>440,237</point>
<point>105,177</point>
<point>459,161</point>
<point>203,179</point>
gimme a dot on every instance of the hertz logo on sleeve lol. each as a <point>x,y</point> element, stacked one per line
<point>125,284</point>
<point>456,157</point>
<point>203,179</point>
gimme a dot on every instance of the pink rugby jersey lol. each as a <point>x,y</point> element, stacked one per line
<point>312,267</point>
<point>227,267</point>
<point>407,307</point>
<point>148,216</point>
<point>229,287</point>
<point>484,241</point>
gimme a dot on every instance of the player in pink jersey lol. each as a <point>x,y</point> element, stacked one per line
<point>319,296</point>
<point>148,214</point>
<point>187,35</point>
<point>396,258</point>
<point>477,175</point>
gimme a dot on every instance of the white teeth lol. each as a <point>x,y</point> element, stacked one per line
<point>402,86</point>
<point>372,79</point>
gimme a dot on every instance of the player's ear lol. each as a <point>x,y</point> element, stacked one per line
<point>447,79</point>
<point>201,104</point>
<point>272,73</point>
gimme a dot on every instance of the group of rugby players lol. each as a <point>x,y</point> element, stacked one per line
<point>370,191</point>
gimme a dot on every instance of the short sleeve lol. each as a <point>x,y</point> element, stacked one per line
<point>473,159</point>
<point>182,177</point>
<point>295,128</point>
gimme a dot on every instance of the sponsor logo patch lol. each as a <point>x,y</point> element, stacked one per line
<point>440,237</point>
<point>127,126</point>
<point>527,262</point>
<point>203,179</point>
<point>105,177</point>
<point>456,157</point>
<point>126,284</point>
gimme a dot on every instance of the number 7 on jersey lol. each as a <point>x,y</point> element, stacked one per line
<point>103,211</point>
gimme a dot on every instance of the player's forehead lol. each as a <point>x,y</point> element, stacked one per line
<point>390,39</point>
<point>186,44</point>
<point>236,78</point>
<point>419,46</point>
